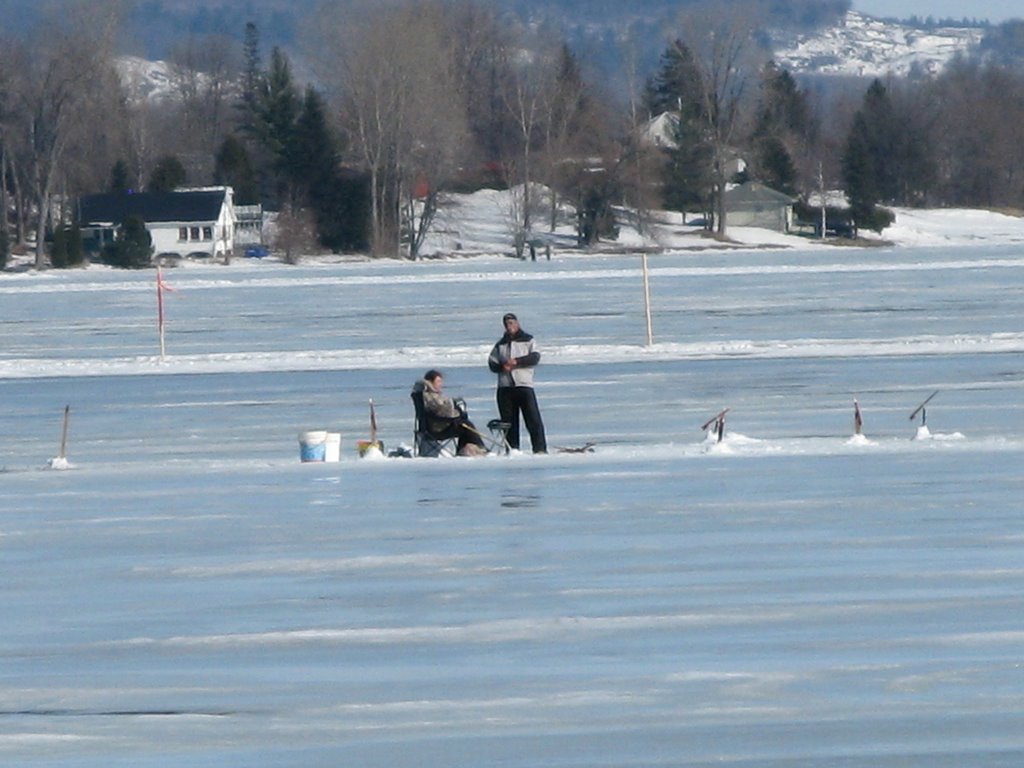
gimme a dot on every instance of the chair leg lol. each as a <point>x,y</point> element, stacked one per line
<point>499,434</point>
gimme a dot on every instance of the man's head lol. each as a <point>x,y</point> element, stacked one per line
<point>511,322</point>
<point>434,377</point>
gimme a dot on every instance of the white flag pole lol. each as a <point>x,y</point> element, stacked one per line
<point>647,300</point>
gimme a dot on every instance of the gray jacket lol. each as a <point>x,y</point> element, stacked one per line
<point>522,349</point>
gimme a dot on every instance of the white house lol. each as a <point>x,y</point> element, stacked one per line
<point>660,132</point>
<point>184,223</point>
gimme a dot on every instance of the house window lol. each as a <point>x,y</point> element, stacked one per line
<point>194,233</point>
<point>182,234</point>
<point>207,233</point>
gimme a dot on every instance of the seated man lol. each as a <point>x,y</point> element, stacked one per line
<point>445,418</point>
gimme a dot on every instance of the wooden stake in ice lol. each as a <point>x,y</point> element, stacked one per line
<point>647,299</point>
<point>921,409</point>
<point>61,461</point>
<point>858,421</point>
<point>64,433</point>
<point>719,421</point>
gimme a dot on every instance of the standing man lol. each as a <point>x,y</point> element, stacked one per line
<point>513,358</point>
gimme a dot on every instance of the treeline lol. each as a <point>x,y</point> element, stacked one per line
<point>398,107</point>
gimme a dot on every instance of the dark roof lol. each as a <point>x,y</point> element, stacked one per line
<point>753,193</point>
<point>115,207</point>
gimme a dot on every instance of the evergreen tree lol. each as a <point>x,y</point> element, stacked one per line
<point>76,249</point>
<point>859,177</point>
<point>313,162</point>
<point>687,175</point>
<point>252,75</point>
<point>343,212</point>
<point>783,122</point>
<point>59,249</point>
<point>168,174</point>
<point>775,167</point>
<point>132,247</point>
<point>119,177</point>
<point>233,168</point>
<point>311,151</point>
<point>676,85</point>
<point>783,106</point>
<point>880,131</point>
<point>277,110</point>
<point>66,249</point>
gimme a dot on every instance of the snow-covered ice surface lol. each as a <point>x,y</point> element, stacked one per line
<point>187,593</point>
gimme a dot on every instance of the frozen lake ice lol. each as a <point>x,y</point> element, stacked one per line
<point>189,594</point>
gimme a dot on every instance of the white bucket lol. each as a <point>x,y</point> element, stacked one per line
<point>313,445</point>
<point>332,447</point>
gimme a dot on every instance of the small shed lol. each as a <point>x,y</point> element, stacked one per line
<point>190,222</point>
<point>754,205</point>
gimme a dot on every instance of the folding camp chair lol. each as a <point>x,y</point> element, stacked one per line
<point>425,442</point>
<point>499,435</point>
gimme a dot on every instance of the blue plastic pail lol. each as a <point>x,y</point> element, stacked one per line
<point>313,445</point>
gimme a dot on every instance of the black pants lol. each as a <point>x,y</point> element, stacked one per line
<point>457,427</point>
<point>515,400</point>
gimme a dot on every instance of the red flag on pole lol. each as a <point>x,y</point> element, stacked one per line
<point>161,286</point>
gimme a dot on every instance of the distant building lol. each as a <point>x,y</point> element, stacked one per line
<point>248,224</point>
<point>197,223</point>
<point>755,205</point>
<point>660,133</point>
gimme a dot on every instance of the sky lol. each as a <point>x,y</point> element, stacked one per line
<point>994,10</point>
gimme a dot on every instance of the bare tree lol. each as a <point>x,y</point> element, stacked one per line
<point>294,233</point>
<point>394,77</point>
<point>206,70</point>
<point>528,98</point>
<point>640,160</point>
<point>721,42</point>
<point>8,66</point>
<point>69,56</point>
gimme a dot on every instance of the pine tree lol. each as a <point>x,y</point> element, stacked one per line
<point>859,178</point>
<point>871,164</point>
<point>676,86</point>
<point>783,122</point>
<point>687,174</point>
<point>252,76</point>
<point>277,109</point>
<point>119,177</point>
<point>313,160</point>
<point>312,149</point>
<point>66,249</point>
<point>233,168</point>
<point>59,249</point>
<point>775,167</point>
<point>168,174</point>
<point>132,247</point>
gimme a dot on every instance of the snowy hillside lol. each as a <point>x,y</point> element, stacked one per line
<point>146,80</point>
<point>860,46</point>
<point>863,46</point>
